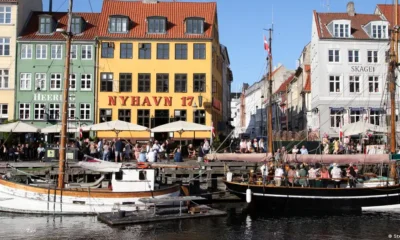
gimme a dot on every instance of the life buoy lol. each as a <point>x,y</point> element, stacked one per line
<point>142,165</point>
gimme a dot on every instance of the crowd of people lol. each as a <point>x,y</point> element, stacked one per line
<point>304,175</point>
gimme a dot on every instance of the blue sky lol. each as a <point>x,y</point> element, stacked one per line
<point>241,24</point>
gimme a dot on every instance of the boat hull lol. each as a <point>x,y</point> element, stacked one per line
<point>316,199</point>
<point>21,198</point>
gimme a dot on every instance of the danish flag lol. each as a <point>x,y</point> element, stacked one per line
<point>213,129</point>
<point>266,45</point>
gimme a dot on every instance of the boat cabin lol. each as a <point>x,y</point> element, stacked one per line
<point>133,180</point>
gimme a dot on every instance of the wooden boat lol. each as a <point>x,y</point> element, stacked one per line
<point>127,186</point>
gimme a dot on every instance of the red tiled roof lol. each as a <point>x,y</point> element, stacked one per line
<point>31,29</point>
<point>175,12</point>
<point>284,85</point>
<point>357,21</point>
<point>388,11</point>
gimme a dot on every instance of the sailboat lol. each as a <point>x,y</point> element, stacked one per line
<point>128,183</point>
<point>368,195</point>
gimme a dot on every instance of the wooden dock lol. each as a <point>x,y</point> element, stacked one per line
<point>114,219</point>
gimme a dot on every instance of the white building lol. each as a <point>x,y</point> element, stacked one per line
<point>235,114</point>
<point>13,15</point>
<point>348,69</point>
<point>255,109</point>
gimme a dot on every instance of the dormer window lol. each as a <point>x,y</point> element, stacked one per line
<point>118,24</point>
<point>76,25</point>
<point>46,25</point>
<point>341,30</point>
<point>195,25</point>
<point>156,24</point>
<point>379,31</point>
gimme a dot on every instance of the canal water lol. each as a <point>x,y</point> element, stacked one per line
<point>237,225</point>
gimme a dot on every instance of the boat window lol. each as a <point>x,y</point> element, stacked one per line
<point>128,203</point>
<point>118,175</point>
<point>142,175</point>
<point>78,202</point>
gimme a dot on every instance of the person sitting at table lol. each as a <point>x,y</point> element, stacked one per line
<point>178,156</point>
<point>191,151</point>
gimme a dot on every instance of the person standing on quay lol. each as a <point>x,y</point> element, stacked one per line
<point>118,149</point>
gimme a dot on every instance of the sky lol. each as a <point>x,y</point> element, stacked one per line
<point>242,25</point>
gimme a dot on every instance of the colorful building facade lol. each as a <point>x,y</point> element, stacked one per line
<point>13,15</point>
<point>41,65</point>
<point>159,62</point>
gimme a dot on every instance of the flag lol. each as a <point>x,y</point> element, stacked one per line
<point>266,45</point>
<point>340,130</point>
<point>213,129</point>
<point>80,133</point>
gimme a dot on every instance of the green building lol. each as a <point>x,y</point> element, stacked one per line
<point>41,65</point>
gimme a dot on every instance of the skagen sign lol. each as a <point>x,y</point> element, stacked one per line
<point>362,69</point>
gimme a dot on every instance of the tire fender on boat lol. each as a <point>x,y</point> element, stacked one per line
<point>248,195</point>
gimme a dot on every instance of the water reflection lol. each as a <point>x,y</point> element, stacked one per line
<point>236,225</point>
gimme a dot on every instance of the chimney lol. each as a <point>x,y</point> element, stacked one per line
<point>350,9</point>
<point>51,6</point>
<point>149,1</point>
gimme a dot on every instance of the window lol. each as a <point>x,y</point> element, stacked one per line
<point>76,25</point>
<point>375,117</point>
<point>85,111</point>
<point>195,25</point>
<point>54,111</point>
<point>125,82</point>
<point>4,46</point>
<point>334,84</point>
<point>40,81</point>
<point>25,81</point>
<point>126,50</point>
<point>41,51</point>
<point>156,25</point>
<point>87,52</point>
<point>355,115</point>
<point>199,116</point>
<point>71,111</point>
<point>342,30</point>
<point>144,51</point>
<point>354,56</point>
<point>180,115</point>
<point>199,51</point>
<point>72,82</point>
<point>181,51</point>
<point>354,82</point>
<point>107,82</point>
<point>199,82</point>
<point>39,111</point>
<point>26,51</point>
<point>143,118</point>
<point>45,25</point>
<point>124,115</point>
<point>5,15</point>
<point>86,82</point>
<point>379,31</point>
<point>55,81</point>
<point>118,24</point>
<point>107,50</point>
<point>4,78</point>
<point>74,51</point>
<point>373,84</point>
<point>105,115</point>
<point>336,117</point>
<point>162,82</point>
<point>372,56</point>
<point>24,111</point>
<point>334,56</point>
<point>144,82</point>
<point>180,83</point>
<point>162,51</point>
<point>4,110</point>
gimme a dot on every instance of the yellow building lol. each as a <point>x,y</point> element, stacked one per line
<point>159,62</point>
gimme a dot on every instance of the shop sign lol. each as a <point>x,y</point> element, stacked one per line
<point>362,69</point>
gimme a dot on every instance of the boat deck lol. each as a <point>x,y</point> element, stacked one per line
<point>166,214</point>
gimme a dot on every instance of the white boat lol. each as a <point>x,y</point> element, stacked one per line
<point>128,184</point>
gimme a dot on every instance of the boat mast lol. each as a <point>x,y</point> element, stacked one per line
<point>63,140</point>
<point>269,120</point>
<point>392,78</point>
